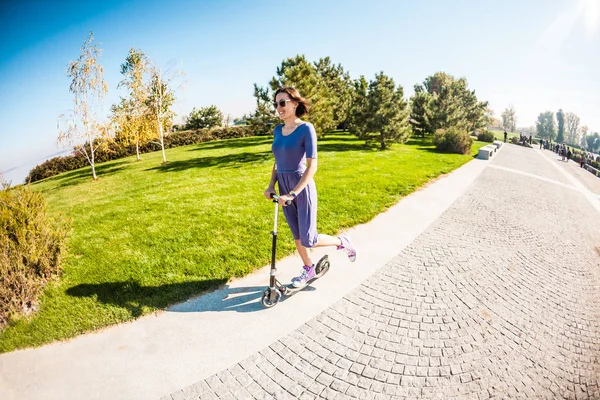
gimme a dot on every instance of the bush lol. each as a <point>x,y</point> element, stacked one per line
<point>514,140</point>
<point>486,136</point>
<point>32,245</point>
<point>453,140</point>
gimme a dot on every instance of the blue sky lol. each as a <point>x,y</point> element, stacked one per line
<point>537,55</point>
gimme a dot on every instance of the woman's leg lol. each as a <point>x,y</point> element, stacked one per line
<point>324,241</point>
<point>304,253</point>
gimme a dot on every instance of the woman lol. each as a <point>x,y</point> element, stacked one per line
<point>295,150</point>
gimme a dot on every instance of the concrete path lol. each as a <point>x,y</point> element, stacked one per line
<point>494,294</point>
<point>498,298</point>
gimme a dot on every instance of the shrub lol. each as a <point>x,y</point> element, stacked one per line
<point>32,245</point>
<point>514,140</point>
<point>486,136</point>
<point>453,140</point>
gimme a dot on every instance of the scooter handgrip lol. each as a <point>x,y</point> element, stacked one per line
<point>272,195</point>
<point>288,202</point>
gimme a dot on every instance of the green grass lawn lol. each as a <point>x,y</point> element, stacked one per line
<point>146,236</point>
<point>499,134</point>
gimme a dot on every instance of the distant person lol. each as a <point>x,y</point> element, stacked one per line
<point>541,143</point>
<point>582,160</point>
<point>569,154</point>
<point>530,139</point>
<point>295,150</point>
<point>505,136</point>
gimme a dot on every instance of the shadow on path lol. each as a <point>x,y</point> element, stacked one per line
<point>133,297</point>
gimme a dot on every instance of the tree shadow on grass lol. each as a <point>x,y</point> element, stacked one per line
<point>84,174</point>
<point>354,146</point>
<point>234,143</point>
<point>210,295</point>
<point>227,161</point>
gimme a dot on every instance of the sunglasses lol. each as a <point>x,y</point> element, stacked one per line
<point>280,103</point>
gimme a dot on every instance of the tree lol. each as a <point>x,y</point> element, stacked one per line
<point>205,117</point>
<point>386,113</point>
<point>592,141</point>
<point>560,119</point>
<point>132,115</point>
<point>509,119</point>
<point>490,120</point>
<point>263,118</point>
<point>81,128</point>
<point>339,84</point>
<point>584,131</point>
<point>302,75</point>
<point>596,143</point>
<point>442,102</point>
<point>420,111</point>
<point>160,100</point>
<point>357,118</point>
<point>545,125</point>
<point>572,127</point>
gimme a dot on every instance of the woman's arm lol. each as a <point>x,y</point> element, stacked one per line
<point>311,170</point>
<point>273,176</point>
<point>271,188</point>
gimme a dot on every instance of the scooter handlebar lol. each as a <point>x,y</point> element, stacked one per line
<point>276,198</point>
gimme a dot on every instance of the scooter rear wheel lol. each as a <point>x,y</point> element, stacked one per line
<point>269,302</point>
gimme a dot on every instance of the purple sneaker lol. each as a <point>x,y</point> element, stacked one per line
<point>308,272</point>
<point>347,246</point>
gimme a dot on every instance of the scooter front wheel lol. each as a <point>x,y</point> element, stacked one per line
<point>270,298</point>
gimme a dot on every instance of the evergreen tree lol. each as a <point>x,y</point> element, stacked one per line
<point>340,88</point>
<point>560,119</point>
<point>358,111</point>
<point>442,102</point>
<point>545,126</point>
<point>264,117</point>
<point>302,75</point>
<point>383,117</point>
<point>205,117</point>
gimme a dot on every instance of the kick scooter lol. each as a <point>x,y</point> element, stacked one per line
<point>276,290</point>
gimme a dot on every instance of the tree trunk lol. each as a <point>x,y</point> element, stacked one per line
<point>93,164</point>
<point>91,141</point>
<point>137,150</point>
<point>162,141</point>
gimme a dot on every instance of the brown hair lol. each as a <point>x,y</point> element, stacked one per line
<point>294,94</point>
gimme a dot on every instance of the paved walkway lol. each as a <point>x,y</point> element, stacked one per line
<point>496,292</point>
<point>500,297</point>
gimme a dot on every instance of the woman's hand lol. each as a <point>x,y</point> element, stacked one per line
<point>268,192</point>
<point>282,199</point>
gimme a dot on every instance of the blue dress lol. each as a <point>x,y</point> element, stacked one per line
<point>290,154</point>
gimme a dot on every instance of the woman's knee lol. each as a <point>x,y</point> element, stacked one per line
<point>308,242</point>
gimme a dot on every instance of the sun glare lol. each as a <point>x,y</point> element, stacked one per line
<point>591,15</point>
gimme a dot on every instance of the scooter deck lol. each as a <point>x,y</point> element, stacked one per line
<point>289,289</point>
